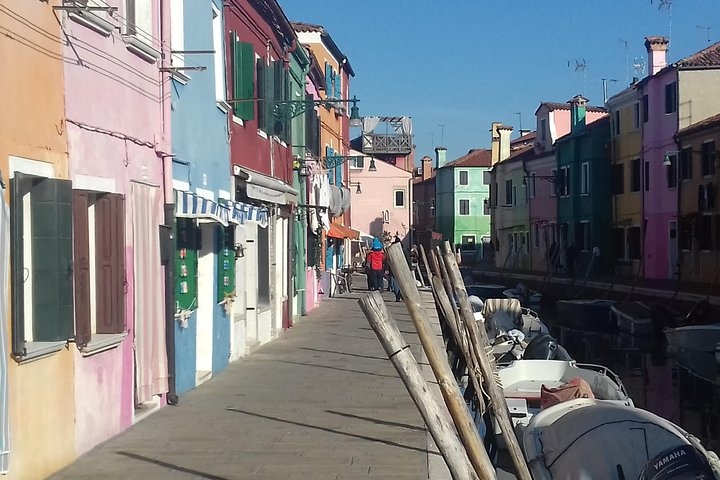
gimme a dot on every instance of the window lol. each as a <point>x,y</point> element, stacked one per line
<point>616,123</point>
<point>617,238</point>
<point>536,235</point>
<point>704,232</point>
<point>526,242</point>
<point>685,233</point>
<point>672,171</point>
<point>646,176</point>
<point>635,175</point>
<point>243,88</point>
<point>41,260</point>
<point>636,116</point>
<point>582,236</point>
<point>543,129</point>
<point>138,14</point>
<point>564,181</point>
<point>531,185</point>
<point>634,243</point>
<point>707,159</point>
<point>467,242</point>
<point>357,162</point>
<point>463,174</point>
<point>219,55</point>
<point>645,108</point>
<point>686,163</point>
<point>99,264</point>
<point>464,207</point>
<point>585,178</point>
<point>263,266</point>
<point>399,196</point>
<point>508,192</point>
<point>557,182</point>
<point>671,97</point>
<point>618,178</point>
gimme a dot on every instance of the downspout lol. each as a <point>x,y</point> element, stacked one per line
<point>678,223</point>
<point>526,173</point>
<point>168,228</point>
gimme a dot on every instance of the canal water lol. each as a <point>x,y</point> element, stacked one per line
<point>681,386</point>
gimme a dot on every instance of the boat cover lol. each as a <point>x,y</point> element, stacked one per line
<point>591,442</point>
<point>575,388</point>
<point>504,313</point>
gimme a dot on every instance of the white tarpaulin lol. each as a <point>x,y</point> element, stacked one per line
<point>5,282</point>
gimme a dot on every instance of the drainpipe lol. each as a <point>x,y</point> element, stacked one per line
<point>168,230</point>
<point>526,173</point>
<point>678,250</point>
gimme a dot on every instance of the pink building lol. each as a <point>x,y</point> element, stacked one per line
<point>381,200</point>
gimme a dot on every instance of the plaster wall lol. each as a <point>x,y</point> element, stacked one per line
<point>511,221</point>
<point>542,210</point>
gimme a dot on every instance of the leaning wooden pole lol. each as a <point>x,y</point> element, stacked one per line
<point>478,338</point>
<point>425,262</point>
<point>435,416</point>
<point>439,364</point>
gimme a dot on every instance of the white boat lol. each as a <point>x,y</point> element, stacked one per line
<point>701,338</point>
<point>588,439</point>
<point>643,318</point>
<point>528,298</point>
<point>522,382</point>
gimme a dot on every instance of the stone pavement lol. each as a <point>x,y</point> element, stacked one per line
<point>321,402</point>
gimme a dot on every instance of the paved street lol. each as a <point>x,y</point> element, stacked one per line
<point>321,402</point>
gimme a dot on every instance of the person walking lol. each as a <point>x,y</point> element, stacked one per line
<point>376,263</point>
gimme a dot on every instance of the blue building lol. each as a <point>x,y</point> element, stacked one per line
<point>204,255</point>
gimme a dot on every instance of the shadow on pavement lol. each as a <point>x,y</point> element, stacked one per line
<point>343,353</point>
<point>330,430</point>
<point>338,368</point>
<point>171,466</point>
<point>377,421</point>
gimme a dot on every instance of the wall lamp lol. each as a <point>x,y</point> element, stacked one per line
<point>358,190</point>
<point>667,159</point>
<point>239,250</point>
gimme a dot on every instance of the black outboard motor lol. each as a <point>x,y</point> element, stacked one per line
<point>545,347</point>
<point>678,463</point>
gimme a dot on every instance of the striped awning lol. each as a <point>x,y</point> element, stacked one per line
<point>189,205</point>
<point>244,212</point>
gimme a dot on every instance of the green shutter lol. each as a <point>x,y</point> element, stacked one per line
<point>269,96</point>
<point>226,262</point>
<point>243,57</point>
<point>19,186</point>
<point>52,282</point>
<point>262,117</point>
<point>186,264</point>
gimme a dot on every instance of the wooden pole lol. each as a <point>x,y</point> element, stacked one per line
<point>470,360</point>
<point>425,262</point>
<point>478,338</point>
<point>438,361</point>
<point>449,291</point>
<point>435,416</point>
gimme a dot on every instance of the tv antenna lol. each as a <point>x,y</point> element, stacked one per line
<point>639,66</point>
<point>519,114</point>
<point>627,66</point>
<point>703,27</point>
<point>581,66</point>
<point>666,5</point>
<point>605,90</point>
<point>442,132</point>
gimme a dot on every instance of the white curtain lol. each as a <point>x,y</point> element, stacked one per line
<point>406,125</point>
<point>5,282</point>
<point>151,377</point>
<point>369,124</point>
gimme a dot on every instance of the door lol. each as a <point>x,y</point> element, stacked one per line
<point>206,303</point>
<point>251,282</point>
<point>673,268</point>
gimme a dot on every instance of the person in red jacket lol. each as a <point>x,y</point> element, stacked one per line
<point>375,262</point>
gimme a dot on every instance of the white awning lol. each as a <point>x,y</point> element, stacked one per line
<point>189,205</point>
<point>266,188</point>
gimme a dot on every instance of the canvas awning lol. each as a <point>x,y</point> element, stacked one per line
<point>341,231</point>
<point>265,188</point>
<point>189,205</point>
<point>244,212</point>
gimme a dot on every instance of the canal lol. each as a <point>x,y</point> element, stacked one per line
<point>681,386</point>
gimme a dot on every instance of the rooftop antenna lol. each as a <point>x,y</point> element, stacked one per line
<point>666,5</point>
<point>581,66</point>
<point>639,66</point>
<point>605,90</point>
<point>442,132</point>
<point>519,114</point>
<point>705,28</point>
<point>627,65</point>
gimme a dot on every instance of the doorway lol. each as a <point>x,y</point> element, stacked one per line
<point>673,268</point>
<point>206,303</point>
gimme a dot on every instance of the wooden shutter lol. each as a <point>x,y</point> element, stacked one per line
<point>328,81</point>
<point>279,93</point>
<point>262,117</point>
<point>338,90</point>
<point>243,73</point>
<point>269,89</point>
<point>51,205</point>
<point>110,264</point>
<point>19,186</point>
<point>81,241</point>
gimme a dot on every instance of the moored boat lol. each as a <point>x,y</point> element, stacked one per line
<point>701,338</point>
<point>486,290</point>
<point>643,318</point>
<point>589,315</point>
<point>528,298</point>
<point>593,439</point>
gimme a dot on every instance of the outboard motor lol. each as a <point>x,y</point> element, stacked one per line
<point>678,463</point>
<point>545,347</point>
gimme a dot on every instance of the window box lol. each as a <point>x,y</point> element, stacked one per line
<point>141,49</point>
<point>92,21</point>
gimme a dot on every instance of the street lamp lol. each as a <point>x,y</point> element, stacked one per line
<point>358,190</point>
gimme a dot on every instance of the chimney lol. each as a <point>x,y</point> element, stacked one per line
<point>657,53</point>
<point>495,145</point>
<point>577,113</point>
<point>440,156</point>
<point>504,144</point>
<point>426,167</point>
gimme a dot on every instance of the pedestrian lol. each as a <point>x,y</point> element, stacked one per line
<point>376,262</point>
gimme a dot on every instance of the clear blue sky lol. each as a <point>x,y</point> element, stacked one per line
<point>467,63</point>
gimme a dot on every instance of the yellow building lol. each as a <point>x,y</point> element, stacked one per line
<point>697,174</point>
<point>626,117</point>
